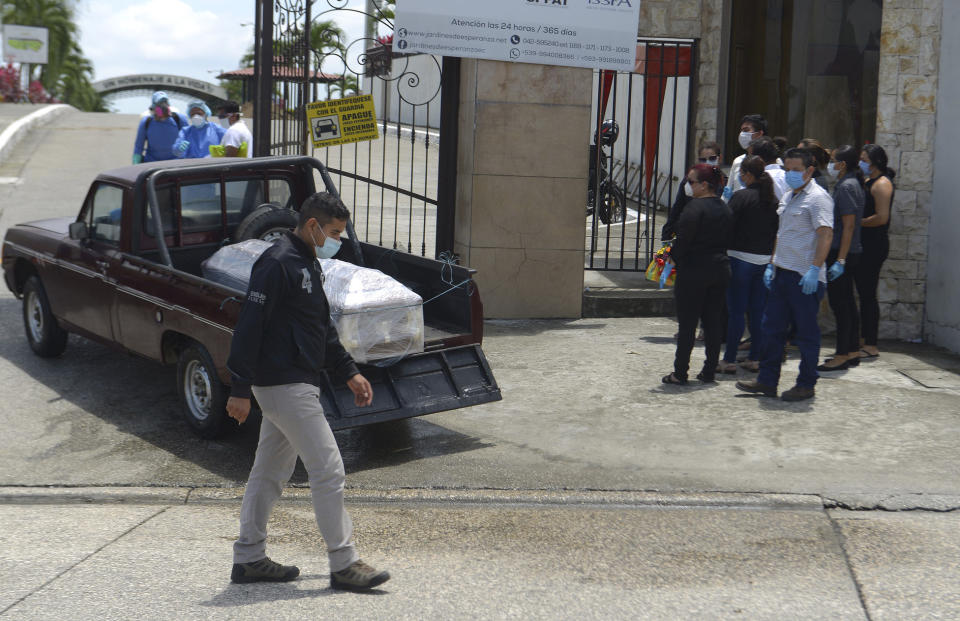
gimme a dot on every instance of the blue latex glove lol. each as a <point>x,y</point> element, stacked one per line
<point>768,275</point>
<point>727,192</point>
<point>835,271</point>
<point>810,280</point>
<point>182,147</point>
<point>667,268</point>
<point>137,158</point>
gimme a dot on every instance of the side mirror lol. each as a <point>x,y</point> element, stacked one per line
<point>78,230</point>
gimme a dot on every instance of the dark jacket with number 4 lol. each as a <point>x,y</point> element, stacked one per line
<point>284,334</point>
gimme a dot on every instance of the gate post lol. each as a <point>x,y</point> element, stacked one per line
<point>263,78</point>
<point>447,162</point>
<point>522,165</point>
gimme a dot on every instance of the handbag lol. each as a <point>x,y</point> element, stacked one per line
<point>657,265</point>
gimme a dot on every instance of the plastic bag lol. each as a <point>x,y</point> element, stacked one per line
<point>231,265</point>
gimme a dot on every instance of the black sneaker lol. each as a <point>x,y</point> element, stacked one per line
<point>755,387</point>
<point>263,570</point>
<point>797,393</point>
<point>357,577</point>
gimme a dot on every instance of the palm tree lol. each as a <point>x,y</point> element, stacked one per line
<point>347,85</point>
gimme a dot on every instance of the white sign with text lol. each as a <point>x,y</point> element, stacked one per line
<point>25,44</point>
<point>600,34</point>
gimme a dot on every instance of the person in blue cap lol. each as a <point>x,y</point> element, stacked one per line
<point>157,131</point>
<point>195,139</point>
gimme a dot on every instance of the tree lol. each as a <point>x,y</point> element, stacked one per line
<point>347,85</point>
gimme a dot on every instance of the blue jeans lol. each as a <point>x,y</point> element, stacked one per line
<point>745,294</point>
<point>786,304</point>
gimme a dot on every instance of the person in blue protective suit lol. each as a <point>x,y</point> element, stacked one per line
<point>195,139</point>
<point>157,131</point>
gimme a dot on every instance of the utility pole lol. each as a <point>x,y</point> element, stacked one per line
<point>370,29</point>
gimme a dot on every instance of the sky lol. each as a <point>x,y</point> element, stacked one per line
<point>192,38</point>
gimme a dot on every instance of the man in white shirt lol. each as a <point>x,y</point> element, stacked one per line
<point>238,141</point>
<point>796,279</point>
<point>752,126</point>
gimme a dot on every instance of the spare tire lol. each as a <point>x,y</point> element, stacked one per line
<point>267,222</point>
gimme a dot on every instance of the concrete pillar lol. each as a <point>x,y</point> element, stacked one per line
<point>522,184</point>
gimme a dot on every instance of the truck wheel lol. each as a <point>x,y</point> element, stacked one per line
<point>47,339</point>
<point>267,222</point>
<point>202,395</point>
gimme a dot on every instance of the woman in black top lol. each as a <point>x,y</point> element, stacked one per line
<point>874,240</point>
<point>703,271</point>
<point>753,234</point>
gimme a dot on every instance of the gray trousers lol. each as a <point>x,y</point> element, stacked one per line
<point>293,424</point>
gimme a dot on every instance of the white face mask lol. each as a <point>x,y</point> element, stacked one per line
<point>197,121</point>
<point>745,139</point>
<point>832,169</point>
<point>713,161</point>
<point>225,122</point>
<point>688,189</point>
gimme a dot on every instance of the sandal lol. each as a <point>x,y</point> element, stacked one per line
<point>673,379</point>
<point>750,365</point>
<point>865,354</point>
<point>706,379</point>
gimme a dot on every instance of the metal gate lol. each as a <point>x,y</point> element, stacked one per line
<point>633,181</point>
<point>400,188</point>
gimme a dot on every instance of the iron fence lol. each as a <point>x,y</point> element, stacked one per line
<point>634,179</point>
<point>401,187</point>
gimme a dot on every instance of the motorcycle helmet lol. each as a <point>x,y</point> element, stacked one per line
<point>609,131</point>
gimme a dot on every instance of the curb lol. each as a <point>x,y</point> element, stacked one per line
<point>16,131</point>
<point>592,499</point>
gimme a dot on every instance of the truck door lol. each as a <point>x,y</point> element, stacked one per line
<point>87,274</point>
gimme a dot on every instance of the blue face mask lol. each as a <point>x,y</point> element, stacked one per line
<point>329,248</point>
<point>865,167</point>
<point>794,179</point>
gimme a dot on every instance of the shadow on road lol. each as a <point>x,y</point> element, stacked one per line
<point>138,397</point>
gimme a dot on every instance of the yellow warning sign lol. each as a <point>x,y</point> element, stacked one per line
<point>340,121</point>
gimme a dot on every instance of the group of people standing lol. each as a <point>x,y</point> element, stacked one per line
<point>763,246</point>
<point>166,134</point>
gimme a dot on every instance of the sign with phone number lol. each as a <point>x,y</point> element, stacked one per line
<point>600,34</point>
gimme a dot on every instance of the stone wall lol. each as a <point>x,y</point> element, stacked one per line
<point>942,325</point>
<point>906,124</point>
<point>692,19</point>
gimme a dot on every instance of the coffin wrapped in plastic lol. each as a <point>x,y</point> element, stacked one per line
<point>377,317</point>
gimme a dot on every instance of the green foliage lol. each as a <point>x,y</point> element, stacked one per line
<point>67,75</point>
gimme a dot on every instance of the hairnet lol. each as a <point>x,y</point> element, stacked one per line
<point>198,104</point>
<point>160,96</point>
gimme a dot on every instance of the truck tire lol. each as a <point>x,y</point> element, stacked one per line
<point>267,222</point>
<point>203,396</point>
<point>47,339</point>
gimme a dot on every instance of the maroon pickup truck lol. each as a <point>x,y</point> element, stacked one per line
<point>110,275</point>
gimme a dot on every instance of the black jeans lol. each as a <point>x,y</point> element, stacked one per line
<point>844,304</point>
<point>700,292</point>
<point>867,277</point>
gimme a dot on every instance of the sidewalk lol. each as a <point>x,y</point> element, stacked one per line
<point>476,555</point>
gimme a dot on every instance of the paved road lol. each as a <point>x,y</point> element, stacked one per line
<point>541,506</point>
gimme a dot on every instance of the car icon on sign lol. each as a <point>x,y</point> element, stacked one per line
<point>324,126</point>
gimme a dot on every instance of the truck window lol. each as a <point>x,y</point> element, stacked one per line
<point>281,193</point>
<point>105,215</point>
<point>165,203</point>
<point>243,196</point>
<point>200,207</point>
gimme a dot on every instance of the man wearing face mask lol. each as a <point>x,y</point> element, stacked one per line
<point>237,141</point>
<point>194,141</point>
<point>283,339</point>
<point>157,131</point>
<point>752,126</point>
<point>796,279</point>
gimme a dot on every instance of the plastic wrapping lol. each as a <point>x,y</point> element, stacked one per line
<point>231,265</point>
<point>377,317</point>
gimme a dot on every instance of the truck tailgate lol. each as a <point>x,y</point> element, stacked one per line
<point>420,384</point>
